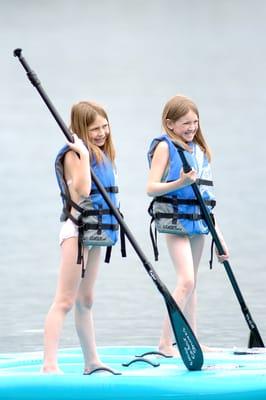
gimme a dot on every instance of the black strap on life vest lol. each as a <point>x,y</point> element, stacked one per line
<point>154,240</point>
<point>122,244</point>
<point>177,201</point>
<point>99,226</point>
<point>204,182</point>
<point>175,216</point>
<point>212,243</point>
<point>109,189</point>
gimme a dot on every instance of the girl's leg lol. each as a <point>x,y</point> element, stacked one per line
<point>67,287</point>
<point>197,244</point>
<point>180,252</point>
<point>83,311</point>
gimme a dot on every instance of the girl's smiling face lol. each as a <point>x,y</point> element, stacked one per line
<point>98,131</point>
<point>185,127</point>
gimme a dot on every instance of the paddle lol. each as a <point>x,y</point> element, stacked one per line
<point>255,339</point>
<point>188,345</point>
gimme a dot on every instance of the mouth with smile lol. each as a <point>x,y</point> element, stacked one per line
<point>189,134</point>
<point>100,141</point>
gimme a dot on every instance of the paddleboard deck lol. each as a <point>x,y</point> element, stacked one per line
<point>226,374</point>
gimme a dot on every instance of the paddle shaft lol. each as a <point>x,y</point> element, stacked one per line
<point>36,82</point>
<point>218,244</point>
<point>189,347</point>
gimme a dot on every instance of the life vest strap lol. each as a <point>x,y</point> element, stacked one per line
<point>154,237</point>
<point>204,182</point>
<point>176,201</point>
<point>84,212</point>
<point>109,189</point>
<point>100,211</point>
<point>154,240</point>
<point>99,227</point>
<point>108,254</point>
<point>175,216</point>
<point>212,243</point>
<point>122,238</point>
<point>122,244</point>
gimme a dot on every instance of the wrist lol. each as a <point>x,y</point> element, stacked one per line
<point>180,182</point>
<point>84,155</point>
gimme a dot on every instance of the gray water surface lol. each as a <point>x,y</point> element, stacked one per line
<point>131,57</point>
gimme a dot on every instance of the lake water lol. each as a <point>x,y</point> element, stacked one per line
<point>131,57</point>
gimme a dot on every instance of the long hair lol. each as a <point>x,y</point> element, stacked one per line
<point>83,114</point>
<point>177,107</point>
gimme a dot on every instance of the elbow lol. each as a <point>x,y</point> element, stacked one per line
<point>83,190</point>
<point>149,191</point>
<point>84,193</point>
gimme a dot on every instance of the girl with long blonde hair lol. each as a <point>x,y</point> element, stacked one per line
<point>175,208</point>
<point>92,148</point>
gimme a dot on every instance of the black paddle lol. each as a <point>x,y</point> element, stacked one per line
<point>188,345</point>
<point>255,339</point>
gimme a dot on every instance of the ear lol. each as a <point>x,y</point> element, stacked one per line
<point>169,124</point>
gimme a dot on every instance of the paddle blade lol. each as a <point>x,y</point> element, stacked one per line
<point>187,343</point>
<point>255,339</point>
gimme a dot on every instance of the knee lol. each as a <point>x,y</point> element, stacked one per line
<point>187,286</point>
<point>64,305</point>
<point>84,302</point>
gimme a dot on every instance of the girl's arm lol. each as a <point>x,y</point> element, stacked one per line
<point>77,167</point>
<point>158,165</point>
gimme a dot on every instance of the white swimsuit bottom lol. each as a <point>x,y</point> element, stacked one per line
<point>68,230</point>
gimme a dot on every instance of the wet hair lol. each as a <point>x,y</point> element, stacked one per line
<point>177,107</point>
<point>83,115</point>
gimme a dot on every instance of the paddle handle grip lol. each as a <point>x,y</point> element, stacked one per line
<point>187,169</point>
<point>37,84</point>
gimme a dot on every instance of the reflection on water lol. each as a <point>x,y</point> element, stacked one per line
<point>131,57</point>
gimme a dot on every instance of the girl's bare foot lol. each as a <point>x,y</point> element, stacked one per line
<point>169,350</point>
<point>53,370</point>
<point>93,366</point>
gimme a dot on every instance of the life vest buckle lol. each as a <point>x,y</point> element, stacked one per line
<point>195,217</point>
<point>175,201</point>
<point>99,228</point>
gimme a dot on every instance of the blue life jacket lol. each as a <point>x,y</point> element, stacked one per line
<point>178,212</point>
<point>96,224</point>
